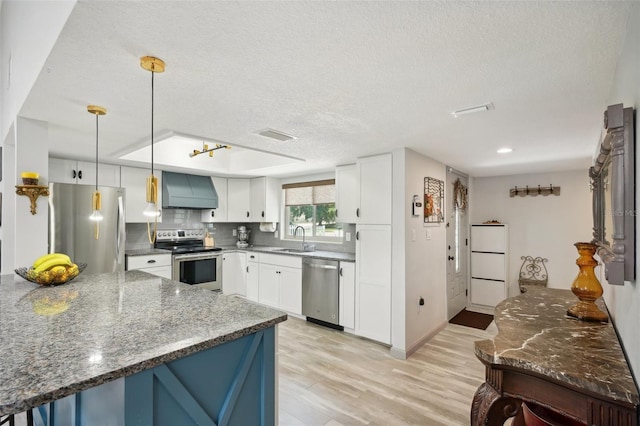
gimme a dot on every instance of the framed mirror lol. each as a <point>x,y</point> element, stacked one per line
<point>613,184</point>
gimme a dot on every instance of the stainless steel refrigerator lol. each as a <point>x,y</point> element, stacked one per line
<point>71,231</point>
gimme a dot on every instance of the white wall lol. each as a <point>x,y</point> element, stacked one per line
<point>424,260</point>
<point>28,31</point>
<point>31,231</point>
<point>546,226</point>
<point>624,301</point>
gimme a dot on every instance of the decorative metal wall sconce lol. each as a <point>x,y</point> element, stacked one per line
<point>540,190</point>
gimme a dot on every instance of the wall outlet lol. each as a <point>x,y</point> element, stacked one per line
<point>234,232</point>
<point>347,236</point>
<point>428,234</point>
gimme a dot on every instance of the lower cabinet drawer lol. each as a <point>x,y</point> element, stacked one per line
<point>148,261</point>
<point>486,292</point>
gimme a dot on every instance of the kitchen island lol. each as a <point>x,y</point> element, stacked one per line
<point>137,349</point>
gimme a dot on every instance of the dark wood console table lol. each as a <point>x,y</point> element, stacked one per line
<point>542,356</point>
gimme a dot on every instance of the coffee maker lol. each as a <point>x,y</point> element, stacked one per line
<point>243,237</point>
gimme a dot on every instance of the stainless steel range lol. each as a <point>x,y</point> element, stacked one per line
<point>193,263</point>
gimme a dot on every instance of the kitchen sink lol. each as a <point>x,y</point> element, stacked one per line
<point>290,250</point>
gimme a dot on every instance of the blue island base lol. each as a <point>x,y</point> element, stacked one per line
<point>229,384</point>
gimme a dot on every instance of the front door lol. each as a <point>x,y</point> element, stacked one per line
<point>457,222</point>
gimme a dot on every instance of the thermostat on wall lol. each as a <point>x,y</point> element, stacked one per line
<point>416,206</point>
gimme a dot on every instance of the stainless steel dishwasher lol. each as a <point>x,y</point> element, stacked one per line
<point>320,291</point>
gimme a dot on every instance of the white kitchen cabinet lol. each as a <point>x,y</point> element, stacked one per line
<point>233,273</point>
<point>375,178</point>
<point>219,214</point>
<point>83,172</point>
<point>281,282</point>
<point>156,264</point>
<point>253,276</point>
<point>269,288</point>
<point>134,180</point>
<point>238,200</point>
<point>347,303</point>
<point>291,289</point>
<point>347,193</point>
<point>265,200</point>
<point>489,266</point>
<point>373,282</point>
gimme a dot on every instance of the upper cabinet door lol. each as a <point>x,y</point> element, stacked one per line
<point>239,200</point>
<point>134,180</point>
<point>83,172</point>
<point>375,176</point>
<point>265,200</point>
<point>108,174</point>
<point>347,193</point>
<point>219,214</point>
<point>63,171</point>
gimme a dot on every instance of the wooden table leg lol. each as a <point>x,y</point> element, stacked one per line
<point>489,408</point>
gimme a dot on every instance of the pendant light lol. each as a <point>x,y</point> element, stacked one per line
<point>96,198</point>
<point>154,65</point>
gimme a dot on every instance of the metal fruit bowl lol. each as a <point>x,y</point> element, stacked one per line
<point>49,277</point>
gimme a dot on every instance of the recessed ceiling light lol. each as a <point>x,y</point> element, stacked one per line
<point>471,110</point>
<point>275,134</point>
<point>504,150</point>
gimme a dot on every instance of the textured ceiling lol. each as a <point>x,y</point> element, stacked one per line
<point>347,78</point>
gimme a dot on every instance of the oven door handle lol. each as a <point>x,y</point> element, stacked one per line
<point>192,257</point>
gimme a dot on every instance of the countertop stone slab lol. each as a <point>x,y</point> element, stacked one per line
<point>56,341</point>
<point>318,254</point>
<point>146,252</point>
<point>535,334</point>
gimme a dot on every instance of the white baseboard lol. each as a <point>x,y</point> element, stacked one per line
<point>404,354</point>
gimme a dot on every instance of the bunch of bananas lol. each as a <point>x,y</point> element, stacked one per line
<point>54,268</point>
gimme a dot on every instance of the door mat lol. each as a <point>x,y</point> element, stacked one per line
<point>472,319</point>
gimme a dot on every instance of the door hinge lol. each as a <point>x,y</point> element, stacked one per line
<point>466,241</point>
<point>466,292</point>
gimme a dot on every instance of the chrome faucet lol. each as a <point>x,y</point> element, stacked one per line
<point>295,232</point>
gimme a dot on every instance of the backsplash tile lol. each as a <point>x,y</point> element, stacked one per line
<point>223,232</point>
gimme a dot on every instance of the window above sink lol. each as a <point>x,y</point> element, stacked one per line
<point>312,206</point>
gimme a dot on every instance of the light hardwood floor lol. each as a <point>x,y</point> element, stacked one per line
<point>333,378</point>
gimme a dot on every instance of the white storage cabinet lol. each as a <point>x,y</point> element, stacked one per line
<point>347,302</point>
<point>347,193</point>
<point>373,282</point>
<point>489,266</point>
<point>280,283</point>
<point>219,214</point>
<point>265,200</point>
<point>234,278</point>
<point>238,200</point>
<point>134,180</point>
<point>83,172</point>
<point>156,264</point>
<point>253,276</point>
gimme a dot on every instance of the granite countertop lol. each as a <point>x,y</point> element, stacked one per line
<point>56,341</point>
<point>318,254</point>
<point>535,334</point>
<point>146,252</point>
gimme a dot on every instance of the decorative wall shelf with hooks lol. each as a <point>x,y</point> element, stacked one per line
<point>534,191</point>
<point>33,192</point>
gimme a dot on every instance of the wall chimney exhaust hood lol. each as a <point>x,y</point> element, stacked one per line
<point>183,191</point>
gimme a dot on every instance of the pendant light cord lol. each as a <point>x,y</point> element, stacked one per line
<point>96,152</point>
<point>152,74</point>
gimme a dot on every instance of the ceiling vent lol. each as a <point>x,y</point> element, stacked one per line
<point>274,134</point>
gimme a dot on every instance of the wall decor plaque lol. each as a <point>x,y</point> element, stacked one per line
<point>433,200</point>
